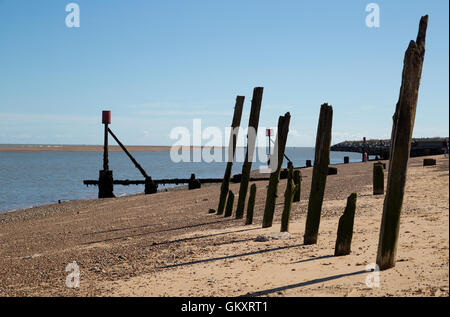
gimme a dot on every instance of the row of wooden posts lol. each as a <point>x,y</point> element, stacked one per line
<point>403,122</point>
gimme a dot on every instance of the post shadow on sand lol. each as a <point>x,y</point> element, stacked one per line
<point>147,233</point>
<point>314,258</point>
<point>153,225</point>
<point>207,236</point>
<point>248,254</point>
<point>230,256</point>
<point>303,284</point>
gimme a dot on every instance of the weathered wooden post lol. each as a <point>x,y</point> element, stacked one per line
<point>298,185</point>
<point>402,128</point>
<point>378,179</point>
<point>229,207</point>
<point>105,184</point>
<point>253,123</point>
<point>364,156</point>
<point>429,162</point>
<point>232,145</point>
<point>319,176</point>
<point>105,180</point>
<point>345,228</point>
<point>194,183</point>
<point>251,205</point>
<point>332,170</point>
<point>150,186</point>
<point>106,120</point>
<point>346,159</point>
<point>288,198</point>
<point>284,173</point>
<point>277,157</point>
<point>308,163</point>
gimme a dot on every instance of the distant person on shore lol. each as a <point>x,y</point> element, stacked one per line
<point>445,147</point>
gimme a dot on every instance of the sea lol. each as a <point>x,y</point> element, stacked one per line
<point>30,179</point>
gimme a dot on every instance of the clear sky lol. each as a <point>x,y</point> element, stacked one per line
<point>160,64</point>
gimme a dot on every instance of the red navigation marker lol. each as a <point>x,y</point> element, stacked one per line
<point>106,117</point>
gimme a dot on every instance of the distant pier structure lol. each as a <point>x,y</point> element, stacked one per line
<point>380,148</point>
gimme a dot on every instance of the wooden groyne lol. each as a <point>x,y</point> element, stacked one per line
<point>381,148</point>
<point>176,181</point>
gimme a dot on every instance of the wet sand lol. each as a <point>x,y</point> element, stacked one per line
<point>167,244</point>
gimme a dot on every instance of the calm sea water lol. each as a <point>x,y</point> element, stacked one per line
<point>36,178</point>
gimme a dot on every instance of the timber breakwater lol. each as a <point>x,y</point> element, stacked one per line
<point>380,148</point>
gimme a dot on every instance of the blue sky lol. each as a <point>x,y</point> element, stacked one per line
<point>160,64</point>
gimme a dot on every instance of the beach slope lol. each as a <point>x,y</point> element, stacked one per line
<point>167,244</point>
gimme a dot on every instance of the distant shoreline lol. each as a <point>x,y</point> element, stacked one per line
<point>89,148</point>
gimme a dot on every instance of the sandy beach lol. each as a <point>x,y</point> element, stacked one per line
<point>166,244</point>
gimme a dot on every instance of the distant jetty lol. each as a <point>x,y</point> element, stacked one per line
<point>380,148</point>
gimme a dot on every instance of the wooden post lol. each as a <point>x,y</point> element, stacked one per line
<point>308,163</point>
<point>402,128</point>
<point>332,170</point>
<point>290,170</point>
<point>105,184</point>
<point>230,201</point>
<point>232,145</point>
<point>364,150</point>
<point>194,183</point>
<point>105,179</point>
<point>298,185</point>
<point>319,176</point>
<point>429,162</point>
<point>280,145</point>
<point>246,167</point>
<point>346,159</point>
<point>345,228</point>
<point>150,186</point>
<point>284,173</point>
<point>251,205</point>
<point>288,197</point>
<point>378,179</point>
<point>105,149</point>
